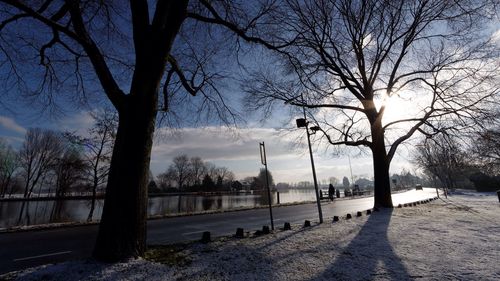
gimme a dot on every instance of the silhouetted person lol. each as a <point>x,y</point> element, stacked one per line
<point>331,192</point>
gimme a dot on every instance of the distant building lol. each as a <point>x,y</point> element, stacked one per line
<point>246,185</point>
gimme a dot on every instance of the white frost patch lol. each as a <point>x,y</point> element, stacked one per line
<point>137,269</point>
<point>451,239</point>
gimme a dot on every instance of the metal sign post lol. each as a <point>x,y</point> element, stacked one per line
<point>263,160</point>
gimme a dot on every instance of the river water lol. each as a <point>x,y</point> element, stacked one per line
<point>23,213</point>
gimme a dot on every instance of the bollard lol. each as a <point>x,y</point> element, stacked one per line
<point>359,214</point>
<point>205,237</point>
<point>265,229</point>
<point>335,218</point>
<point>287,226</point>
<point>278,196</point>
<point>307,223</point>
<point>498,193</point>
<point>348,217</point>
<point>239,233</point>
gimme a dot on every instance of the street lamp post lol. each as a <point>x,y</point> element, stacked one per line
<point>302,122</point>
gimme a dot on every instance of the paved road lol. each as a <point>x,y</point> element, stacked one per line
<point>25,249</point>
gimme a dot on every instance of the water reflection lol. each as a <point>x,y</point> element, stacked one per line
<point>21,213</point>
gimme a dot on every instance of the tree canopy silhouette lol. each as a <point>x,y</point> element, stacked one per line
<point>142,55</point>
<point>345,62</point>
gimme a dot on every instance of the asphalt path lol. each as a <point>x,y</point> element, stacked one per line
<point>19,250</point>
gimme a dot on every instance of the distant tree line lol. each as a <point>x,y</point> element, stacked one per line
<point>405,179</point>
<point>55,163</point>
<point>187,174</point>
<point>462,162</point>
<point>259,182</point>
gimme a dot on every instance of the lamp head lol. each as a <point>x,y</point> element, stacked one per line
<point>301,122</point>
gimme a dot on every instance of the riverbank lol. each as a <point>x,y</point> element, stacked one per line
<point>169,215</point>
<point>156,217</point>
<point>449,239</point>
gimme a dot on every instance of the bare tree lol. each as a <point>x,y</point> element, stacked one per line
<point>211,170</point>
<point>348,59</point>
<point>486,150</point>
<point>181,168</point>
<point>69,171</point>
<point>444,159</point>
<point>122,45</point>
<point>228,179</point>
<point>198,170</point>
<point>8,165</point>
<point>38,155</point>
<point>166,180</point>
<point>98,146</point>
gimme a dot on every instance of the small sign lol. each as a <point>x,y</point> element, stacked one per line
<point>262,153</point>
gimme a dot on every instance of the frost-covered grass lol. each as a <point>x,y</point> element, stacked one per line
<point>451,239</point>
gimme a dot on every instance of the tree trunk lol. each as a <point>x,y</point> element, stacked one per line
<point>122,231</point>
<point>92,204</point>
<point>380,166</point>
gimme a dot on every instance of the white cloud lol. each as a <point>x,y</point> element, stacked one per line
<point>79,123</point>
<point>239,151</point>
<point>217,144</point>
<point>495,37</point>
<point>10,124</point>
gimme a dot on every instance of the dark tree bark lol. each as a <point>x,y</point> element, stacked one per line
<point>382,184</point>
<point>122,232</point>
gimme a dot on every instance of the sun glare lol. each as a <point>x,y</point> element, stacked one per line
<point>397,108</point>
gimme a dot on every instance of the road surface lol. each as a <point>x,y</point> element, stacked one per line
<point>31,248</point>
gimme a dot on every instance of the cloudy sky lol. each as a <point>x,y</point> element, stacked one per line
<point>237,149</point>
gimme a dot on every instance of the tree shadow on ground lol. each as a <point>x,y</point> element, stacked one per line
<point>369,255</point>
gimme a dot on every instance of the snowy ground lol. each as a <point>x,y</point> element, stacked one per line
<point>452,239</point>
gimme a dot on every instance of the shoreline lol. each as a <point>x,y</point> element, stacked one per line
<point>166,216</point>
